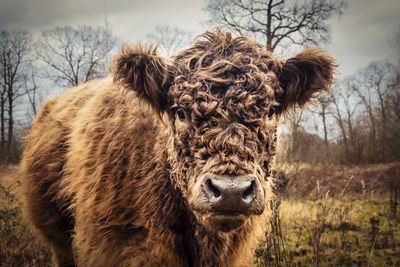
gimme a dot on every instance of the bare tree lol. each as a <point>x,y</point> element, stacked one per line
<point>322,110</point>
<point>366,109</point>
<point>372,86</point>
<point>337,114</point>
<point>76,55</point>
<point>14,49</point>
<point>31,90</point>
<point>277,22</point>
<point>365,93</point>
<point>381,77</point>
<point>3,101</point>
<point>171,39</point>
<point>395,48</point>
<point>393,118</point>
<point>294,122</point>
<point>343,109</point>
<point>393,98</point>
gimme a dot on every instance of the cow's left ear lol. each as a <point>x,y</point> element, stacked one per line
<point>304,75</point>
<point>140,69</point>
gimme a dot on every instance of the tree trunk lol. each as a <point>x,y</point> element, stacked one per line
<point>2,125</point>
<point>344,136</point>
<point>323,114</point>
<point>269,25</point>
<point>10,138</point>
<point>340,121</point>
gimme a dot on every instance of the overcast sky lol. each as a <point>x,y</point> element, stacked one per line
<point>360,36</point>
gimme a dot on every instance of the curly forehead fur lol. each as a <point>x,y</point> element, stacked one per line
<point>231,70</point>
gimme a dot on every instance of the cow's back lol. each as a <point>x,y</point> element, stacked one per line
<point>48,142</point>
<point>64,141</point>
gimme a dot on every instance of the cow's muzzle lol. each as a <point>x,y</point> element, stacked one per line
<point>229,200</point>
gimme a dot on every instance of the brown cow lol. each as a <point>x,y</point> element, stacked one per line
<point>167,163</point>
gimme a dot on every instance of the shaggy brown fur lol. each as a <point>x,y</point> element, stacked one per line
<point>106,183</point>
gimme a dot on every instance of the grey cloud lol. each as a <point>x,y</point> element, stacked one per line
<point>359,37</point>
<point>362,34</point>
<point>39,13</point>
<point>130,19</point>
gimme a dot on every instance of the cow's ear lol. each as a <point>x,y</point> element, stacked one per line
<point>140,69</point>
<point>304,75</point>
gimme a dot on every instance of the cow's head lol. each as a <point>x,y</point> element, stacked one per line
<point>223,98</point>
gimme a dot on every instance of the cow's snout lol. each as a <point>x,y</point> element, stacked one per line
<point>233,194</point>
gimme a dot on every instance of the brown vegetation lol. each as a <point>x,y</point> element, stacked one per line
<point>18,245</point>
<point>335,216</point>
<point>359,228</point>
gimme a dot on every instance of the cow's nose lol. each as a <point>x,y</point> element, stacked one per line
<point>234,194</point>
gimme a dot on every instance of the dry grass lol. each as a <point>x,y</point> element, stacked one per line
<point>18,245</point>
<point>327,220</point>
<point>324,218</point>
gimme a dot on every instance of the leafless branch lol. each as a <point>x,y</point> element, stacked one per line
<point>277,22</point>
<point>76,55</point>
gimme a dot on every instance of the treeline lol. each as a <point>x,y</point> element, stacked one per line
<point>358,123</point>
<point>30,70</point>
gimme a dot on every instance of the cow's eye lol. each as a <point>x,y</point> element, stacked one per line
<point>181,114</point>
<point>271,112</point>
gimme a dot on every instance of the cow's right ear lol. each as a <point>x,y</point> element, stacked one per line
<point>140,69</point>
<point>304,75</point>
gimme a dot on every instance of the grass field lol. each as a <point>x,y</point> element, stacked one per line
<point>332,232</point>
<point>334,216</point>
<point>18,245</point>
<point>325,216</point>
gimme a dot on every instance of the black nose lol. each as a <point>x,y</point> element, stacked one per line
<point>234,194</point>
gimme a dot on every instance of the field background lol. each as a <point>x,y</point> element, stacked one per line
<point>323,216</point>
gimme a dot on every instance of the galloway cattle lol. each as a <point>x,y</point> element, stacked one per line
<point>166,162</point>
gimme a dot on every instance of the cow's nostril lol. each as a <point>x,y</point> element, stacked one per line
<point>248,194</point>
<point>231,194</point>
<point>212,189</point>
